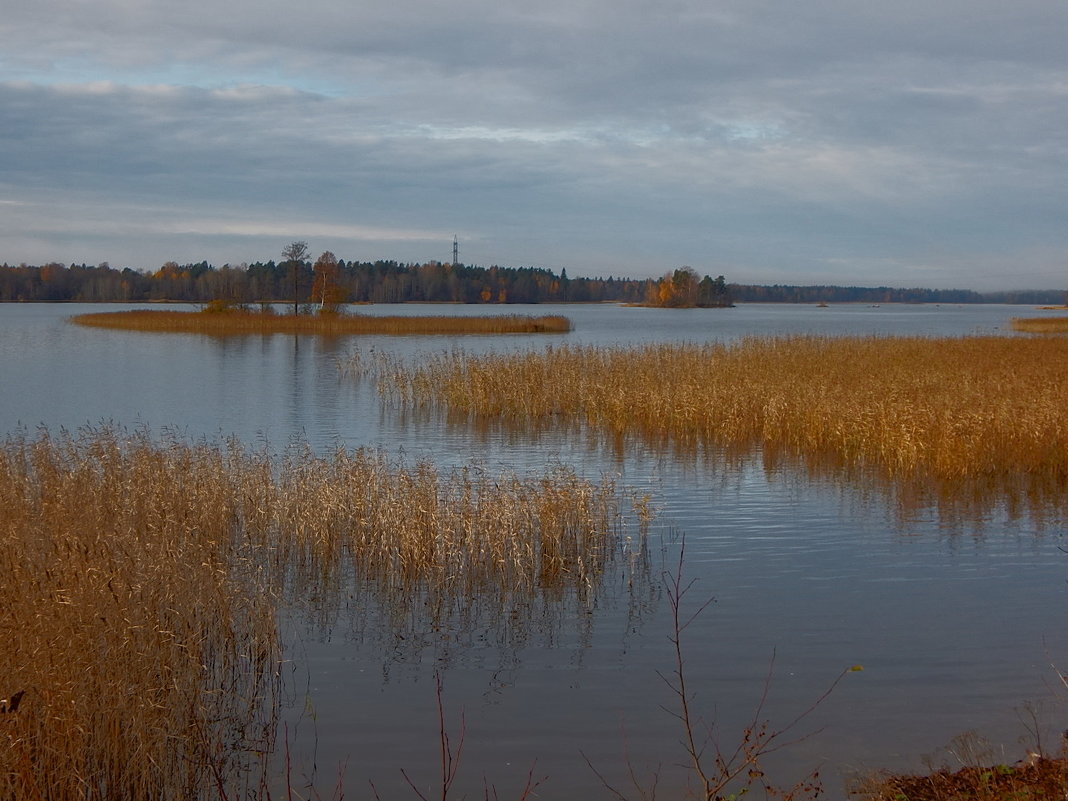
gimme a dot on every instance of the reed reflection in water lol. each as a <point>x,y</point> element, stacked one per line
<point>955,620</point>
<point>145,579</point>
<point>965,423</point>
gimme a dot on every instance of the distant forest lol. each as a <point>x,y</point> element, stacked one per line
<point>394,282</point>
<point>356,282</point>
<point>856,294</point>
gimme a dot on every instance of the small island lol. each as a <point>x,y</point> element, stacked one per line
<point>685,289</point>
<point>226,321</point>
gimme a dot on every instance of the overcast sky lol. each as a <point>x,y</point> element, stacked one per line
<point>905,143</point>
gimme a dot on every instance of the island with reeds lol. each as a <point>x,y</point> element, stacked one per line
<point>244,321</point>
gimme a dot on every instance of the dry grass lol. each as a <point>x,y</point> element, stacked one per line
<point>463,533</point>
<point>143,580</point>
<point>948,409</point>
<point>135,619</point>
<point>969,772</point>
<point>1041,325</point>
<point>221,323</point>
<point>1043,778</point>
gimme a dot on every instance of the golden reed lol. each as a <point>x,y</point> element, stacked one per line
<point>909,406</point>
<point>143,581</point>
<point>1040,325</point>
<point>222,323</point>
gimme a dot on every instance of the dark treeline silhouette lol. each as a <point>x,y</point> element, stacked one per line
<point>396,282</point>
<point>357,282</point>
<point>855,294</point>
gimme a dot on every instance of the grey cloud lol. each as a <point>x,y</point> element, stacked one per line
<point>760,136</point>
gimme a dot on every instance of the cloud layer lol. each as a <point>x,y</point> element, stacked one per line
<point>833,142</point>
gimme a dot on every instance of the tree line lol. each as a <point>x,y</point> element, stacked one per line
<point>329,280</point>
<point>778,293</point>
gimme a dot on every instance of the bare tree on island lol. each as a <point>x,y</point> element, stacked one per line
<point>294,254</point>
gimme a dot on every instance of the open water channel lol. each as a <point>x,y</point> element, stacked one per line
<point>954,616</point>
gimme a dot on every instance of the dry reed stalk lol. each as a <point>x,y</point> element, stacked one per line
<point>143,582</point>
<point>1040,325</point>
<point>463,532</point>
<point>949,409</point>
<point>138,627</point>
<point>250,322</point>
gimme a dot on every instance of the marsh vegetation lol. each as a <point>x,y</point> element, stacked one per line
<point>143,584</point>
<point>977,416</point>
<point>237,321</point>
<point>545,662</point>
<point>937,408</point>
<point>1041,325</point>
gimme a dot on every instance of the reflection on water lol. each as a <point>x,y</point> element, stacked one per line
<point>974,504</point>
<point>951,600</point>
<point>418,627</point>
<point>427,561</point>
<point>965,503</point>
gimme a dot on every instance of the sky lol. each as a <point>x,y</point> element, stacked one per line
<point>913,143</point>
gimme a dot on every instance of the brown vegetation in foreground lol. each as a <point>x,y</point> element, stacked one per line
<point>1041,325</point>
<point>142,583</point>
<point>948,409</point>
<point>1038,779</point>
<point>228,322</point>
<point>976,776</point>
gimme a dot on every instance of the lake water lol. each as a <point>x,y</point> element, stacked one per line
<point>955,617</point>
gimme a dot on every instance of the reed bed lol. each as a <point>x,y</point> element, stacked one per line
<point>231,322</point>
<point>947,409</point>
<point>144,580</point>
<point>1040,325</point>
<point>459,534</point>
<point>137,624</point>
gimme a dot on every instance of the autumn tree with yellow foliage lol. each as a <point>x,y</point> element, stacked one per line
<point>683,289</point>
<point>326,288</point>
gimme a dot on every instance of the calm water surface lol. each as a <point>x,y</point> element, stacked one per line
<point>954,618</point>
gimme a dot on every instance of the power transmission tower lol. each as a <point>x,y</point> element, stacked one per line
<point>455,251</point>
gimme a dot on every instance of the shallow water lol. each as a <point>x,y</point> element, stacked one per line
<point>953,616</point>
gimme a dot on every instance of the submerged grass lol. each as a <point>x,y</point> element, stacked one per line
<point>256,322</point>
<point>945,409</point>
<point>143,581</point>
